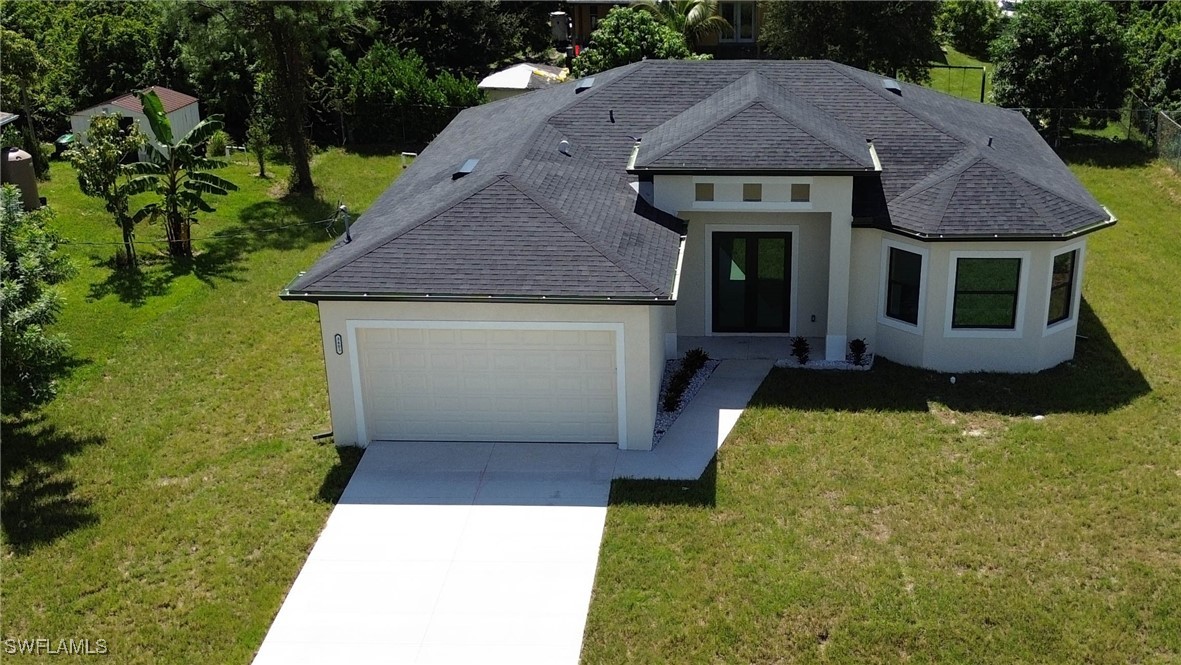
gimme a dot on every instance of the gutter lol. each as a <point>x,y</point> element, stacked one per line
<point>633,170</point>
<point>317,296</point>
<point>998,237</point>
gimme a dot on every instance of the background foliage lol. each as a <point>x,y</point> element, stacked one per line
<point>626,35</point>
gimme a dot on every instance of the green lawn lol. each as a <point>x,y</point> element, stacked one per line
<point>963,83</point>
<point>165,501</point>
<point>892,516</point>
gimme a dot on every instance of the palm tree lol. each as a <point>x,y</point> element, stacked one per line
<point>178,174</point>
<point>692,18</point>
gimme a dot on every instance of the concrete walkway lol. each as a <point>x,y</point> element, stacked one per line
<point>698,433</point>
<point>479,552</point>
<point>452,553</point>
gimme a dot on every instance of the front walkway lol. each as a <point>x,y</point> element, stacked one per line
<point>688,446</point>
<point>452,553</point>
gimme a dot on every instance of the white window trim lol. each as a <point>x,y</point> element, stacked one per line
<point>733,37</point>
<point>710,230</point>
<point>884,285</point>
<point>1076,287</point>
<point>1016,332</point>
<point>352,325</point>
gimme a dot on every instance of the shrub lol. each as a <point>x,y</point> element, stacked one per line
<point>626,35</point>
<point>857,349</point>
<point>216,146</point>
<point>692,363</point>
<point>800,349</point>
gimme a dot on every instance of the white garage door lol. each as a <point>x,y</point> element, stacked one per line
<point>433,384</point>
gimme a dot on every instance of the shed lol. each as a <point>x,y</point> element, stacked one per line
<point>182,110</point>
<point>519,79</point>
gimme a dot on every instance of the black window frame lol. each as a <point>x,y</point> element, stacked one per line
<point>1067,286</point>
<point>891,283</point>
<point>1015,292</point>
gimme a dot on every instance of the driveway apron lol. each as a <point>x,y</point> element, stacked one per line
<point>452,553</point>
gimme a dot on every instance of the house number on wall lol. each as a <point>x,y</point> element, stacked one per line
<point>339,345</point>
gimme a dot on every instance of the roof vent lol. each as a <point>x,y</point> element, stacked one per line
<point>990,141</point>
<point>564,147</point>
<point>892,86</point>
<point>468,167</point>
<point>584,84</point>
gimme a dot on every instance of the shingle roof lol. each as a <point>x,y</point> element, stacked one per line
<point>753,123</point>
<point>171,100</point>
<point>551,211</point>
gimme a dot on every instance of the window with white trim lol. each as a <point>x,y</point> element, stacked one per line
<point>1062,287</point>
<point>986,293</point>
<point>903,285</point>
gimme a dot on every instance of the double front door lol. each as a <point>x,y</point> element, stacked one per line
<point>751,282</point>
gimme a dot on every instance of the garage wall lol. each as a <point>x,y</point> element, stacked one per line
<point>644,329</point>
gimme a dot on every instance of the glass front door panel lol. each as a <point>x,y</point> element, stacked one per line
<point>752,282</point>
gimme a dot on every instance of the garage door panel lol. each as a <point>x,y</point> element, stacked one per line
<point>479,384</point>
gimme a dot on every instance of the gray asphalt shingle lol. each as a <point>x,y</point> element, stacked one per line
<point>534,221</point>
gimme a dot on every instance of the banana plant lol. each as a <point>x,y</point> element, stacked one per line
<point>178,174</point>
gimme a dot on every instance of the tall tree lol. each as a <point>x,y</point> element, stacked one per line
<point>102,173</point>
<point>31,359</point>
<point>1057,57</point>
<point>22,71</point>
<point>891,38</point>
<point>1154,54</point>
<point>178,174</point>
<point>627,35</point>
<point>969,25</point>
<point>694,19</point>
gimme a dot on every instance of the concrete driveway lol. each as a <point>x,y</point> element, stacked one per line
<point>452,553</point>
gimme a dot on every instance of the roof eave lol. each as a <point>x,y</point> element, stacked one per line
<point>317,296</point>
<point>1006,237</point>
<point>696,170</point>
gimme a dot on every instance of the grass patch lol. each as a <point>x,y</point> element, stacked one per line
<point>892,516</point>
<point>963,83</point>
<point>168,497</point>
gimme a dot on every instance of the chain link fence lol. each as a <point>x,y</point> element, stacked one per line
<point>1168,140</point>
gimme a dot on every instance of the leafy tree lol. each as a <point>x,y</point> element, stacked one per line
<point>388,95</point>
<point>1154,54</point>
<point>969,25</point>
<point>102,174</point>
<point>23,68</point>
<point>258,139</point>
<point>627,35</point>
<point>694,19</point>
<point>178,175</point>
<point>30,358</point>
<point>1056,57</point>
<point>469,39</point>
<point>893,38</point>
<point>116,54</point>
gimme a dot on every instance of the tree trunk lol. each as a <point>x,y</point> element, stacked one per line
<point>129,243</point>
<point>290,78</point>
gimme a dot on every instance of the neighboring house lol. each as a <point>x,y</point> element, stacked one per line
<point>527,277</point>
<point>520,79</point>
<point>183,113</point>
<point>741,42</point>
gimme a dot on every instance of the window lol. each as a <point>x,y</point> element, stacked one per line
<point>801,193</point>
<point>986,293</point>
<point>703,191</point>
<point>1061,287</point>
<point>740,15</point>
<point>752,191</point>
<point>903,285</point>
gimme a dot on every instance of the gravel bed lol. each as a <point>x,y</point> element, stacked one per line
<point>665,419</point>
<point>846,364</point>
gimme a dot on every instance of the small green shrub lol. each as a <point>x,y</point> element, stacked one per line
<point>216,146</point>
<point>692,363</point>
<point>857,349</point>
<point>800,349</point>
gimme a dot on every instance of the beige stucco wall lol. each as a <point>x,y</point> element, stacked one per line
<point>1032,347</point>
<point>821,247</point>
<point>644,329</point>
